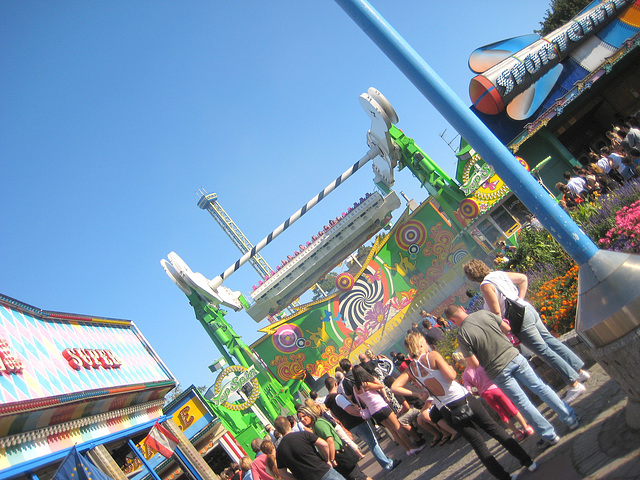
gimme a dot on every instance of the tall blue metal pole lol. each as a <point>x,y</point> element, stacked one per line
<point>537,200</point>
<point>144,461</point>
<point>186,465</point>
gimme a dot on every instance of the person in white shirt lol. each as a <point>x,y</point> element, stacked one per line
<point>615,157</point>
<point>632,140</point>
<point>613,161</point>
<point>577,185</point>
<point>604,163</point>
<point>616,160</point>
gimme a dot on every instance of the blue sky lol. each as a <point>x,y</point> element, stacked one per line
<point>113,114</point>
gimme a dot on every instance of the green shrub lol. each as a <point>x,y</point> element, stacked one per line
<point>537,249</point>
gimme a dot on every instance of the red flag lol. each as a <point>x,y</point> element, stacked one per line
<point>161,440</point>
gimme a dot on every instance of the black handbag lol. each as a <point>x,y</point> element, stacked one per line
<point>514,312</point>
<point>460,413</point>
<point>347,460</point>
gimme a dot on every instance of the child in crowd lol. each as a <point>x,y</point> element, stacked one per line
<point>476,378</point>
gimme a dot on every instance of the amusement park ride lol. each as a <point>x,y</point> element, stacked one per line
<point>600,272</point>
<point>389,148</point>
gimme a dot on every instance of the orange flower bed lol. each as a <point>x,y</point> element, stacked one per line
<point>556,301</point>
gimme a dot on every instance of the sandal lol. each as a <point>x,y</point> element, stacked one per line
<point>454,437</point>
<point>529,431</point>
<point>444,440</point>
<point>520,435</point>
<point>435,441</point>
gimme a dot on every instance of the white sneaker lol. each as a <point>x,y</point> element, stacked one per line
<point>415,451</point>
<point>583,376</point>
<point>544,444</point>
<point>574,392</point>
<point>533,467</point>
<point>575,424</point>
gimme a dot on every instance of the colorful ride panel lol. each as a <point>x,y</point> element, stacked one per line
<point>417,263</point>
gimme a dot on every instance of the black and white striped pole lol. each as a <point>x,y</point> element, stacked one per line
<point>217,281</point>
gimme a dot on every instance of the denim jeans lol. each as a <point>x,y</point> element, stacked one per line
<point>519,370</point>
<point>332,475</point>
<point>535,336</point>
<point>366,434</point>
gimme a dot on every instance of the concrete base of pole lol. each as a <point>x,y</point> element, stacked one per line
<point>608,320</point>
<point>621,361</point>
<point>632,414</point>
<point>608,297</point>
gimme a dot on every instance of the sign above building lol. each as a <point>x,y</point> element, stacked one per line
<point>48,354</point>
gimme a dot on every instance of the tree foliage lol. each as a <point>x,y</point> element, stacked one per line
<point>353,266</point>
<point>173,394</point>
<point>536,249</point>
<point>559,13</point>
<point>327,283</point>
<point>178,390</point>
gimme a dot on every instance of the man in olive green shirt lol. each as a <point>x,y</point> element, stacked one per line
<point>482,341</point>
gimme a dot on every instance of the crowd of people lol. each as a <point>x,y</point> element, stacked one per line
<point>417,399</point>
<point>416,396</point>
<point>603,171</point>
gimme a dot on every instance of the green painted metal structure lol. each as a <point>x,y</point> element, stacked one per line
<point>275,398</point>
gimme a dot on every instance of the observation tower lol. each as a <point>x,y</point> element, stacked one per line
<point>209,202</point>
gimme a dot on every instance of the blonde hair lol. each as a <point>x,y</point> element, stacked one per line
<point>315,408</point>
<point>245,464</point>
<point>458,358</point>
<point>412,344</point>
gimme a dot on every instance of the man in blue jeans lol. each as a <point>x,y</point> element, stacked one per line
<point>482,341</point>
<point>349,416</point>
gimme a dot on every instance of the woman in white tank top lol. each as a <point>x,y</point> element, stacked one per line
<point>438,381</point>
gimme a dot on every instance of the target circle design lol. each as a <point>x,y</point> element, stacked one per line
<point>523,162</point>
<point>457,256</point>
<point>412,232</point>
<point>469,208</point>
<point>414,249</point>
<point>344,281</point>
<point>287,338</point>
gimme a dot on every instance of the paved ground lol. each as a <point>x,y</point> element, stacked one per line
<point>603,447</point>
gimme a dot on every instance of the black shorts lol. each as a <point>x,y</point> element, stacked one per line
<point>435,414</point>
<point>381,415</point>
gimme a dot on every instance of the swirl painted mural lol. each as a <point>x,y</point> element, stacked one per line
<point>369,306</point>
<point>289,368</point>
<point>367,293</point>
